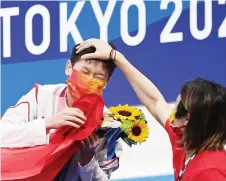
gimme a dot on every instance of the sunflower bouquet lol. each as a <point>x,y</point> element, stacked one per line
<point>134,128</point>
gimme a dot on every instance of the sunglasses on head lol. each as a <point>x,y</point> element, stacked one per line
<point>181,111</point>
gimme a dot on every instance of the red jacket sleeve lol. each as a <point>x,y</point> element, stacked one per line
<point>170,132</point>
<point>210,174</point>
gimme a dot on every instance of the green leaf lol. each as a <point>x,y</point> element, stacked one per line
<point>127,142</point>
<point>142,116</point>
<point>126,125</point>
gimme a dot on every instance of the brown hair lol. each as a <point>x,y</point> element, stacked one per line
<point>205,101</point>
<point>109,64</point>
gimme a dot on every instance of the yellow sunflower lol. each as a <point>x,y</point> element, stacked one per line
<point>139,131</point>
<point>125,112</point>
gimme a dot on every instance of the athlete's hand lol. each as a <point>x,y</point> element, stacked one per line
<point>87,149</point>
<point>67,117</point>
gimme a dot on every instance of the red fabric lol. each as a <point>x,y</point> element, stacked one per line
<point>206,166</point>
<point>80,84</point>
<point>44,162</point>
<point>209,175</point>
<point>178,151</point>
<point>209,166</point>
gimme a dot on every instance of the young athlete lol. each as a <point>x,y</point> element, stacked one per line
<point>47,108</point>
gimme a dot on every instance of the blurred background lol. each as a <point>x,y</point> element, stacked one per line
<point>170,42</point>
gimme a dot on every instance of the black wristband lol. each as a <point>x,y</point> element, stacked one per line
<point>112,54</point>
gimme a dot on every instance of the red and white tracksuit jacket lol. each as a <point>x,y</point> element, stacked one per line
<point>23,125</point>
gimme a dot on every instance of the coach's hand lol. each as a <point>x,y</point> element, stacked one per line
<point>103,49</point>
<point>67,117</point>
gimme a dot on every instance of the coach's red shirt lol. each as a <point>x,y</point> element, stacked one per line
<point>206,166</point>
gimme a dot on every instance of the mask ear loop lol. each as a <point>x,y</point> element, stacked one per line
<point>172,116</point>
<point>105,85</point>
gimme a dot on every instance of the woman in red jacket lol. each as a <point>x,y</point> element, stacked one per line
<point>197,128</point>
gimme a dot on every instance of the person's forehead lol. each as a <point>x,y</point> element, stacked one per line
<point>91,65</point>
<point>87,63</point>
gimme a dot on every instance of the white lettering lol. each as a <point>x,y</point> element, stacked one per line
<point>68,25</point>
<point>133,41</point>
<point>196,33</point>
<point>103,19</point>
<point>31,47</point>
<point>6,14</point>
<point>222,28</point>
<point>167,35</point>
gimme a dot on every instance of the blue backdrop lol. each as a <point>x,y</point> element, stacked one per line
<point>168,65</point>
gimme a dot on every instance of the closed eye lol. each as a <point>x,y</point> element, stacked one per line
<point>100,77</point>
<point>85,71</point>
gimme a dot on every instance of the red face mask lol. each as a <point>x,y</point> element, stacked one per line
<point>177,129</point>
<point>80,85</point>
